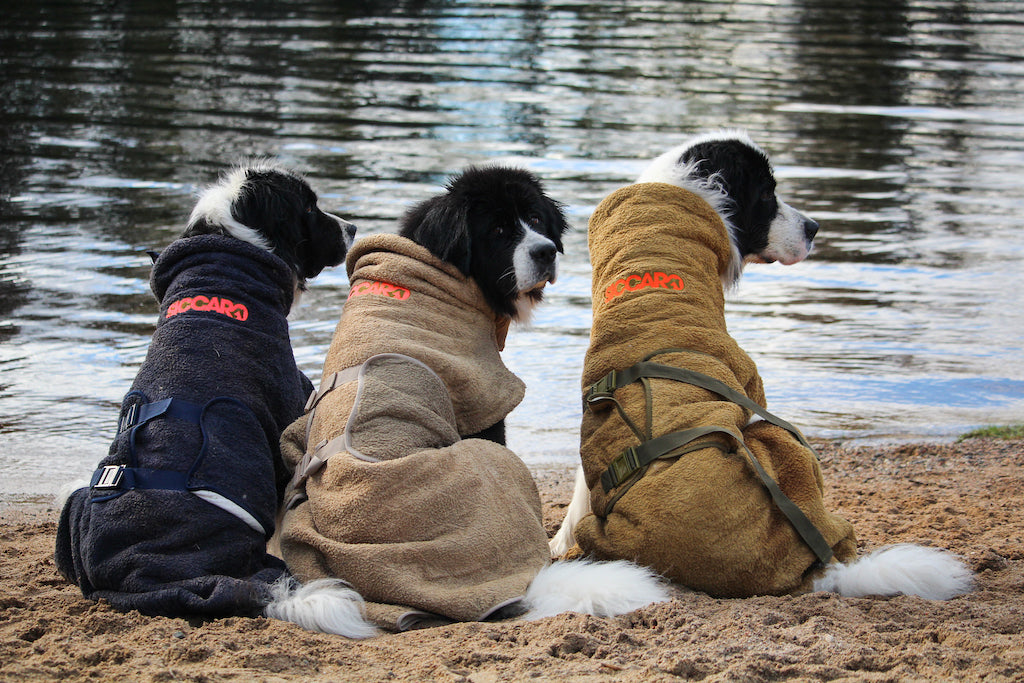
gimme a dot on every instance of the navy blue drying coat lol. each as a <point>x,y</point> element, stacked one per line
<point>178,514</point>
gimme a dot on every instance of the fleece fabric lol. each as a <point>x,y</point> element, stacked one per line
<point>703,519</point>
<point>423,525</point>
<point>182,530</point>
<point>405,300</point>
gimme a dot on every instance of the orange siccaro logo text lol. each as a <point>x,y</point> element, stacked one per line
<point>632,283</point>
<point>209,303</point>
<point>381,288</point>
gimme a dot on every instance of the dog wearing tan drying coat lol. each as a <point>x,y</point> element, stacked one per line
<point>683,468</point>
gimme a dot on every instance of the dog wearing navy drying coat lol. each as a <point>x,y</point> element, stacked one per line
<point>176,518</point>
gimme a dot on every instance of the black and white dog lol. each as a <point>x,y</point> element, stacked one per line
<point>496,225</point>
<point>274,208</point>
<point>176,518</point>
<point>734,175</point>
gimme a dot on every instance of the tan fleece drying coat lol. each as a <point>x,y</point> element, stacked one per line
<point>387,496</point>
<point>697,510</point>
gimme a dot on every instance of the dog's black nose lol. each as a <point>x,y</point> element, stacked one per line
<point>350,229</point>
<point>543,253</point>
<point>810,228</point>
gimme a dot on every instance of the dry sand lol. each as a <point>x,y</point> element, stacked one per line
<point>967,497</point>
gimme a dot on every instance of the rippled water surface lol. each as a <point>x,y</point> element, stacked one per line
<point>898,125</point>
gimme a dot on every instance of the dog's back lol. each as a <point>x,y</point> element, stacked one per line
<point>696,511</point>
<point>178,513</point>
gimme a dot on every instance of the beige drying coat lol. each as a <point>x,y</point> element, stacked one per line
<point>703,517</point>
<point>404,300</point>
<point>422,524</point>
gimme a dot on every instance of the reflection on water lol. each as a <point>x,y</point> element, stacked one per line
<point>898,125</point>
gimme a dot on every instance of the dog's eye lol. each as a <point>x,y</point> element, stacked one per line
<point>534,221</point>
<point>767,195</point>
<point>310,208</point>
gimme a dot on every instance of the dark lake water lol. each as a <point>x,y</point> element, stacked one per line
<point>898,125</point>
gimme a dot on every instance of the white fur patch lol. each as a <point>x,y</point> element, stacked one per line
<point>215,202</point>
<point>348,231</point>
<point>528,273</point>
<point>905,569</point>
<point>787,237</point>
<point>65,491</point>
<point>603,589</point>
<point>230,507</point>
<point>324,605</point>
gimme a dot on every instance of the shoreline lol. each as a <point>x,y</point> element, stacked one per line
<point>37,501</point>
<point>962,496</point>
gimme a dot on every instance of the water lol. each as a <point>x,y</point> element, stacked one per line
<point>898,125</point>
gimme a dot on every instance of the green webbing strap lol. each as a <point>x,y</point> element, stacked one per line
<point>616,379</point>
<point>637,457</point>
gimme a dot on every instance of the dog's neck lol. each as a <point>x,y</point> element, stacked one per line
<point>711,190</point>
<point>525,305</point>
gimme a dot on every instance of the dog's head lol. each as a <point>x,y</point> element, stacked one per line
<point>496,225</point>
<point>735,176</point>
<point>273,208</point>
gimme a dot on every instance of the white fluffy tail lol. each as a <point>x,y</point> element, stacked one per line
<point>900,569</point>
<point>325,605</point>
<point>65,491</point>
<point>579,507</point>
<point>603,589</point>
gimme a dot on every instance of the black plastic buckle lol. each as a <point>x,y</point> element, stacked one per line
<point>620,469</point>
<point>602,389</point>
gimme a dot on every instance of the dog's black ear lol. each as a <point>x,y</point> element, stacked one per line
<point>323,243</point>
<point>442,226</point>
<point>202,226</point>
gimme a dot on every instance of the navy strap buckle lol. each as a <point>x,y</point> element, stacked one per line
<point>127,420</point>
<point>110,477</point>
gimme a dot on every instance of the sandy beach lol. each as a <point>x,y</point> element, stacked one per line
<point>967,497</point>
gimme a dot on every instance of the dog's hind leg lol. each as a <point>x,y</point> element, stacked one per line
<point>579,507</point>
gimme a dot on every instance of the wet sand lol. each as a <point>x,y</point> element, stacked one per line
<point>967,497</point>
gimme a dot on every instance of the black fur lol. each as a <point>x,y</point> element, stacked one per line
<point>745,173</point>
<point>281,208</point>
<point>477,224</point>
